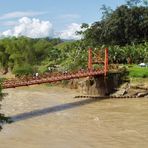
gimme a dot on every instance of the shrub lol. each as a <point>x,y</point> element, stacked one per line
<point>43,69</point>
<point>23,70</point>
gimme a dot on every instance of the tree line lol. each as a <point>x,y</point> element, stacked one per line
<point>126,24</point>
<point>26,53</point>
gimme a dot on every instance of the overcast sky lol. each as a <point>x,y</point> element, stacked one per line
<point>42,18</point>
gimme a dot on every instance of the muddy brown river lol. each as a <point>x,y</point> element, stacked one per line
<point>49,117</point>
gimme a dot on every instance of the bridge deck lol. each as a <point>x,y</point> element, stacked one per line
<point>49,79</point>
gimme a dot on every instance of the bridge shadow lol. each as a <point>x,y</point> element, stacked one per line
<point>48,110</point>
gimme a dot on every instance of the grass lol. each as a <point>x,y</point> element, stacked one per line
<point>138,72</point>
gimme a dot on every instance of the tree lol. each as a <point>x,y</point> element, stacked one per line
<point>132,3</point>
<point>124,25</point>
<point>145,2</point>
<point>106,11</point>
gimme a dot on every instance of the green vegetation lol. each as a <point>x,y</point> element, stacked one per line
<point>25,69</point>
<point>138,72</point>
<point>129,54</point>
<point>22,55</point>
<point>66,55</point>
<point>126,25</point>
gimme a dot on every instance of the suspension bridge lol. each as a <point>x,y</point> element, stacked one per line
<point>18,82</point>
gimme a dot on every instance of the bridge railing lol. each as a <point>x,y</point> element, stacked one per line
<point>50,78</point>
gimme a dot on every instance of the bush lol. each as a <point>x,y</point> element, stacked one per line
<point>23,70</point>
<point>43,69</point>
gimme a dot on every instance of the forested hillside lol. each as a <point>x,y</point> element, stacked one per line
<point>26,54</point>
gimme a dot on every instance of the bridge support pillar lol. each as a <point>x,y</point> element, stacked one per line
<point>90,59</point>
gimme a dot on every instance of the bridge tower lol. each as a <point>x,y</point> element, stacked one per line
<point>90,61</point>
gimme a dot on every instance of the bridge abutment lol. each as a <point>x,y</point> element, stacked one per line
<point>98,85</point>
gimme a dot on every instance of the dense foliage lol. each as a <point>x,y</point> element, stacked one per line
<point>129,54</point>
<point>125,25</point>
<point>23,55</point>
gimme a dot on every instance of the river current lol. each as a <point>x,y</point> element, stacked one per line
<point>50,117</point>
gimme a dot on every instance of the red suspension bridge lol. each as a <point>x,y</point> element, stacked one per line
<point>18,82</point>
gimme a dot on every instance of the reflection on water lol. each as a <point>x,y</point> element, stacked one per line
<point>50,117</point>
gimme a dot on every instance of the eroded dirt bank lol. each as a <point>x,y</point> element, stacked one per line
<point>111,87</point>
<point>50,117</point>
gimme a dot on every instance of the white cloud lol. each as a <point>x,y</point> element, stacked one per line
<point>33,28</point>
<point>19,14</point>
<point>70,32</point>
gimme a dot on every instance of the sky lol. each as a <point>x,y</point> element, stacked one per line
<point>52,18</point>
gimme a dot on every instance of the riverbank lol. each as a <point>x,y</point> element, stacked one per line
<point>101,87</point>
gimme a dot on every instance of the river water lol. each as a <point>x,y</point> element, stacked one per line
<point>50,117</point>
